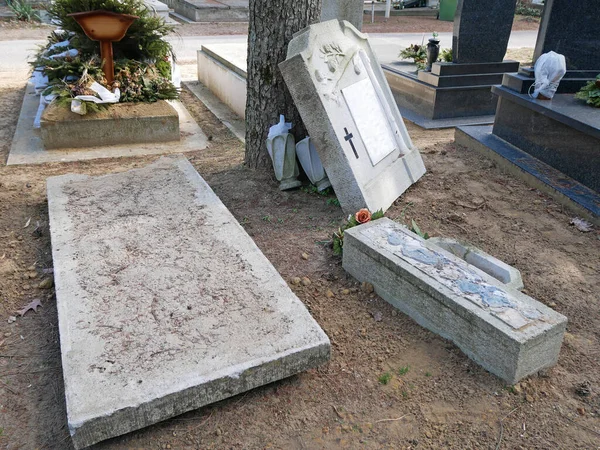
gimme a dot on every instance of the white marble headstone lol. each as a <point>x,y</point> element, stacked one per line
<point>351,116</point>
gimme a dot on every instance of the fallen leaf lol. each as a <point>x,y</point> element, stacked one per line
<point>581,225</point>
<point>33,306</point>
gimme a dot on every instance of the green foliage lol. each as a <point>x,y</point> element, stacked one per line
<point>591,93</point>
<point>428,374</point>
<point>333,201</point>
<point>446,55</point>
<point>141,82</point>
<point>23,11</point>
<point>416,52</point>
<point>415,229</point>
<point>338,236</point>
<point>403,370</point>
<point>143,42</point>
<point>385,378</point>
<point>524,9</point>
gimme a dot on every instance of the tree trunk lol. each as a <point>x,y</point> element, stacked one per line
<point>272,25</point>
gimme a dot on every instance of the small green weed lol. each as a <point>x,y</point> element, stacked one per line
<point>428,374</point>
<point>245,220</point>
<point>403,370</point>
<point>333,201</point>
<point>385,378</point>
<point>280,220</point>
<point>415,229</point>
<point>266,218</point>
<point>23,11</point>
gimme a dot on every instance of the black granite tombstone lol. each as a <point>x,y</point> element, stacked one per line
<point>459,92</point>
<point>481,30</point>
<point>555,144</point>
<point>571,29</point>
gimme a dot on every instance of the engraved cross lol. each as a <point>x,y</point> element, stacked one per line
<point>349,137</point>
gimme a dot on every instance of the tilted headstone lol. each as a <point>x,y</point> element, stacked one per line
<point>351,116</point>
<point>481,30</point>
<point>350,10</point>
<point>571,29</point>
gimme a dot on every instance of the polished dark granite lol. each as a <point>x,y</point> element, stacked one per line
<point>481,30</point>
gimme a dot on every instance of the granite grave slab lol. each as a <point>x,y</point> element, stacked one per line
<point>460,92</point>
<point>350,114</point>
<point>505,331</point>
<point>165,304</point>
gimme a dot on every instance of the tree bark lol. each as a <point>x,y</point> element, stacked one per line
<point>271,28</point>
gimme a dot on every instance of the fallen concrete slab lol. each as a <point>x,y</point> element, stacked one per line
<point>505,331</point>
<point>165,304</point>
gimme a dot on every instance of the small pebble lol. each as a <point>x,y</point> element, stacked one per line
<point>46,283</point>
<point>529,398</point>
<point>12,319</point>
<point>305,281</point>
<point>581,411</point>
<point>304,255</point>
<point>295,280</point>
<point>329,293</point>
<point>367,287</point>
<point>345,291</point>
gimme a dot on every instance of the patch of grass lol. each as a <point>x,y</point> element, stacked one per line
<point>266,218</point>
<point>295,210</point>
<point>385,378</point>
<point>428,374</point>
<point>403,370</point>
<point>404,395</point>
<point>23,11</point>
<point>280,221</point>
<point>333,201</point>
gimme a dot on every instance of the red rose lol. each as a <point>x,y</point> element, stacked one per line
<point>363,216</point>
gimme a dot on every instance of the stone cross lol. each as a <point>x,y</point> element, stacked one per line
<point>481,30</point>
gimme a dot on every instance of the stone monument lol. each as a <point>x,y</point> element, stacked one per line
<point>350,114</point>
<point>459,92</point>
<point>350,10</point>
<point>554,144</point>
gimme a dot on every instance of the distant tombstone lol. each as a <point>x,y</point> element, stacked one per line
<point>482,30</point>
<point>571,29</point>
<point>350,10</point>
<point>351,116</point>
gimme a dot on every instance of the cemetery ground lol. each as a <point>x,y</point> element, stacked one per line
<point>390,383</point>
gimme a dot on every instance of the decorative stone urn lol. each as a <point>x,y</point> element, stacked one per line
<point>433,51</point>
<point>282,150</point>
<point>311,163</point>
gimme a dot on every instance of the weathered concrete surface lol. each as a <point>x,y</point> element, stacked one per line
<point>27,147</point>
<point>165,304</point>
<point>121,123</point>
<point>501,271</point>
<point>503,330</point>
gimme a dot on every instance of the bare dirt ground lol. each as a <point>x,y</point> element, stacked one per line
<point>436,398</point>
<point>15,30</point>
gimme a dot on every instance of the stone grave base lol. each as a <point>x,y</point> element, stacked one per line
<point>572,82</point>
<point>165,304</point>
<point>211,10</point>
<point>27,146</point>
<point>553,145</point>
<point>119,124</point>
<point>449,95</point>
<point>503,330</point>
<point>222,69</point>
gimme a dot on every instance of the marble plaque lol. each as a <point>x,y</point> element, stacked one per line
<point>370,119</point>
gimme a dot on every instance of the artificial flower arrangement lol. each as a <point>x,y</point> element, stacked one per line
<point>69,65</point>
<point>360,217</point>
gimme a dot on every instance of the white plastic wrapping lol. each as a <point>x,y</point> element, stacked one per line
<point>549,70</point>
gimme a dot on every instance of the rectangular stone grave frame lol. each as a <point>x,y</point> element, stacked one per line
<point>167,305</point>
<point>323,62</point>
<point>510,342</point>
